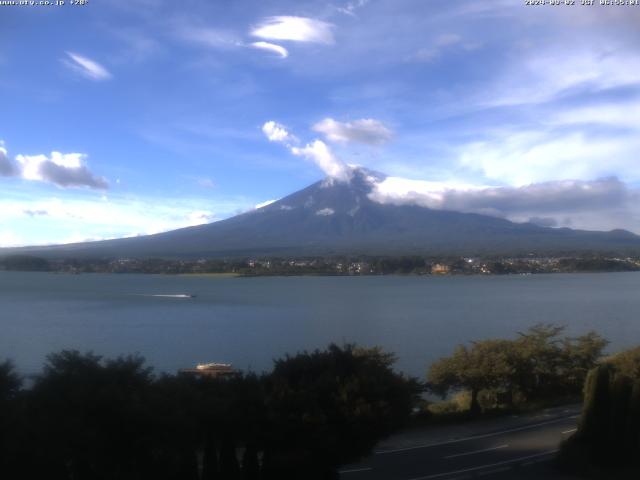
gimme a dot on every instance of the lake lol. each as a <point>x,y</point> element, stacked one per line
<point>251,321</point>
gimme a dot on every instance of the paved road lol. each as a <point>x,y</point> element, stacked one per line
<point>494,448</point>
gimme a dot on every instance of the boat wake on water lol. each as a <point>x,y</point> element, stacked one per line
<point>162,295</point>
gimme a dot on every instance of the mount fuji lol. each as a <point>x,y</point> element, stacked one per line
<point>332,217</point>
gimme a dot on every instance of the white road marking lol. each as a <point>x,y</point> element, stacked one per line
<point>475,437</point>
<point>569,431</point>
<point>354,470</point>
<point>491,465</point>
<point>494,471</point>
<point>477,451</point>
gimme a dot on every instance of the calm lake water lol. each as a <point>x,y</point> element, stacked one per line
<point>251,321</point>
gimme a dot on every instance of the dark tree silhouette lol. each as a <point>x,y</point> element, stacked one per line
<point>10,384</point>
<point>607,443</point>
<point>330,407</point>
<point>86,417</point>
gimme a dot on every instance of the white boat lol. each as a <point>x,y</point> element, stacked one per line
<point>211,369</point>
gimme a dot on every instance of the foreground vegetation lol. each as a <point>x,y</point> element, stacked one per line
<point>84,417</point>
<point>538,366</point>
<point>607,443</point>
<point>89,418</point>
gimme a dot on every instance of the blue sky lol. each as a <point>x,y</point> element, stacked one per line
<point>127,118</point>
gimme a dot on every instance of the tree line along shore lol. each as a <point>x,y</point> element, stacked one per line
<point>338,265</point>
<point>86,417</point>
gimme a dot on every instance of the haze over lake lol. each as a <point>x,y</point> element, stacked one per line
<point>251,321</point>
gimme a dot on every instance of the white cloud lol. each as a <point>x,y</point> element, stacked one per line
<point>207,37</point>
<point>7,167</point>
<point>438,46</point>
<point>86,67</point>
<point>76,217</point>
<point>399,191</point>
<point>200,217</point>
<point>297,29</point>
<point>599,204</point>
<point>317,151</point>
<point>625,114</point>
<point>366,130</point>
<point>277,132</point>
<point>536,156</point>
<point>265,204</point>
<point>77,237</point>
<point>447,39</point>
<point>541,77</point>
<point>322,155</point>
<point>204,182</point>
<point>351,7</point>
<point>61,169</point>
<point>271,47</point>
<point>325,212</point>
<point>9,239</point>
<point>562,195</point>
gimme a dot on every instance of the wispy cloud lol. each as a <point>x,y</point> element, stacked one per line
<point>297,29</point>
<point>440,45</point>
<point>624,114</point>
<point>72,217</point>
<point>35,213</point>
<point>351,7</point>
<point>205,182</point>
<point>136,45</point>
<point>366,130</point>
<point>520,158</point>
<point>223,39</point>
<point>559,74</point>
<point>207,36</point>
<point>200,217</point>
<point>86,67</point>
<point>271,47</point>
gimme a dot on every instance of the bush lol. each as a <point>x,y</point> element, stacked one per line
<point>608,436</point>
<point>92,418</point>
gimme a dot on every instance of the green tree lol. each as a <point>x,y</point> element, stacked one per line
<point>539,358</point>
<point>578,356</point>
<point>91,419</point>
<point>487,364</point>
<point>626,362</point>
<point>10,382</point>
<point>330,407</point>
<point>596,411</point>
<point>537,364</point>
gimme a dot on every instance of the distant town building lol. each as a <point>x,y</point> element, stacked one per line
<point>440,269</point>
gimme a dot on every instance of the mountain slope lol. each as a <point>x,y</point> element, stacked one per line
<point>330,218</point>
